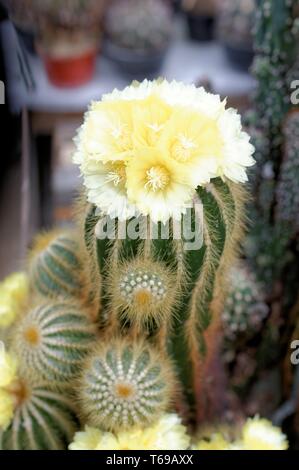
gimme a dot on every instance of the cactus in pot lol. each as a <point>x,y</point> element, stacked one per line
<point>68,38</point>
<point>235,25</point>
<point>200,18</point>
<point>138,35</point>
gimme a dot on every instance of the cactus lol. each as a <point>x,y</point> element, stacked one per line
<point>235,23</point>
<point>143,293</point>
<point>143,26</point>
<point>245,307</point>
<point>125,384</point>
<point>43,419</point>
<point>223,214</point>
<point>156,292</point>
<point>271,246</point>
<point>51,341</point>
<point>287,188</point>
<point>55,268</point>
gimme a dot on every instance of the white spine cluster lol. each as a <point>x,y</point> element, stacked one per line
<point>139,281</point>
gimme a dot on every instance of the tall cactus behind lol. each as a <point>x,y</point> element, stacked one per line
<point>272,244</point>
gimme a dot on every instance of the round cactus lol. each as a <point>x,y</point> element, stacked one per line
<point>125,384</point>
<point>144,26</point>
<point>56,270</point>
<point>43,419</point>
<point>51,341</point>
<point>144,293</point>
<point>245,308</point>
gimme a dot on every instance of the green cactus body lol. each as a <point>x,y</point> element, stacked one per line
<point>56,272</point>
<point>181,335</point>
<point>51,341</point>
<point>43,420</point>
<point>125,384</point>
<point>287,190</point>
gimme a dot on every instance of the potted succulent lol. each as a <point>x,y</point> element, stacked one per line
<point>68,38</point>
<point>137,35</point>
<point>22,15</point>
<point>200,16</point>
<point>234,30</point>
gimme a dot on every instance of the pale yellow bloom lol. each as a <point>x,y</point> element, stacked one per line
<point>195,143</point>
<point>8,368</point>
<point>87,439</point>
<point>168,138</point>
<point>167,434</point>
<point>6,408</point>
<point>157,185</point>
<point>215,442</point>
<point>106,134</point>
<point>150,117</point>
<point>260,434</point>
<point>13,295</point>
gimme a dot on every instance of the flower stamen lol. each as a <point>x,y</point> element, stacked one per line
<point>157,178</point>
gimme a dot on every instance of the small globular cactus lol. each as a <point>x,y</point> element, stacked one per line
<point>136,25</point>
<point>56,269</point>
<point>125,384</point>
<point>43,419</point>
<point>143,292</point>
<point>245,307</point>
<point>51,341</point>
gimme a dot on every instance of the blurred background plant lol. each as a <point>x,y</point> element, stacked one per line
<point>235,24</point>
<point>200,16</point>
<point>138,34</point>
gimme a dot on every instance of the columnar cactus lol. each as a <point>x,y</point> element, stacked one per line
<point>272,244</point>
<point>287,189</point>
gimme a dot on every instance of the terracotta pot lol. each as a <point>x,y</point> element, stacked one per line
<point>70,71</point>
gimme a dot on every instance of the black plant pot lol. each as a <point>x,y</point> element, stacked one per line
<point>201,28</point>
<point>135,63</point>
<point>27,39</point>
<point>240,57</point>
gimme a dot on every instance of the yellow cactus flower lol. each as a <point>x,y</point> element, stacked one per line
<point>6,408</point>
<point>215,442</point>
<point>260,434</point>
<point>167,434</point>
<point>168,139</point>
<point>13,295</point>
<point>8,368</point>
